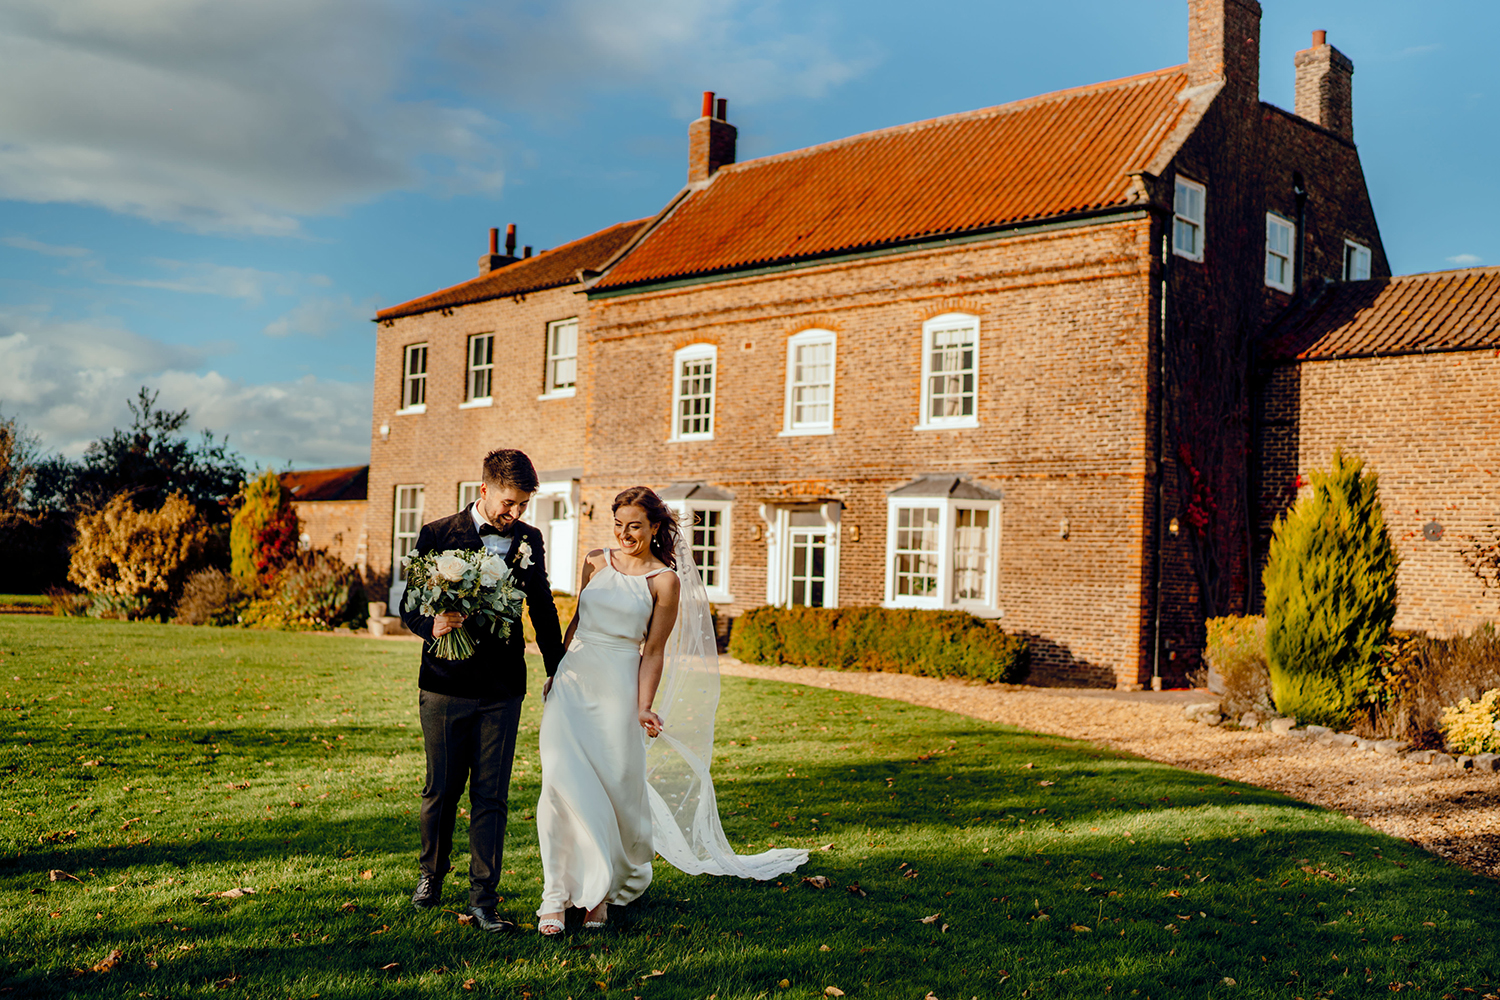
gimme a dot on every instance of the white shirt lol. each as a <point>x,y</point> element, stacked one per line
<point>497,545</point>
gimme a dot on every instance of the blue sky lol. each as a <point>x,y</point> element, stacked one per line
<point>213,199</point>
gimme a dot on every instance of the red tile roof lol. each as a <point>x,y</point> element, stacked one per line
<point>548,269</point>
<point>1048,156</point>
<point>349,483</point>
<point>1438,311</point>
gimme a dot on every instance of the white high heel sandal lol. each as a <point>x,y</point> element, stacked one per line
<point>550,926</point>
<point>594,925</point>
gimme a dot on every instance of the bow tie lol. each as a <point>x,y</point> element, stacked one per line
<point>490,529</point>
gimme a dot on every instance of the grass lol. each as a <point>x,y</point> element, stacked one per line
<point>32,600</point>
<point>158,765</point>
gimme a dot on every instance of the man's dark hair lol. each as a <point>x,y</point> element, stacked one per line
<point>509,467</point>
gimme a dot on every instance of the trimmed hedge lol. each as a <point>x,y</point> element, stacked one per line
<point>925,643</point>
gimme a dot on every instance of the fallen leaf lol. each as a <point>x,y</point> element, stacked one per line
<point>784,983</point>
<point>108,962</point>
<point>234,893</point>
<point>826,847</point>
<point>1082,929</point>
<point>347,906</point>
<point>932,919</point>
<point>1046,784</point>
<point>1428,923</point>
<point>469,983</point>
<point>465,919</point>
<point>1229,982</point>
<point>1028,766</point>
<point>818,881</point>
<point>228,981</point>
<point>945,928</point>
<point>92,763</point>
<point>833,991</point>
<point>1399,937</point>
<point>57,875</point>
<point>390,966</point>
<point>654,973</point>
<point>367,874</point>
<point>856,890</point>
<point>824,947</point>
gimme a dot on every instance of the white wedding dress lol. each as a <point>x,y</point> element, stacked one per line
<point>611,797</point>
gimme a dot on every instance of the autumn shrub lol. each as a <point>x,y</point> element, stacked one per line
<point>263,533</point>
<point>68,603</point>
<point>926,643</point>
<point>1235,649</point>
<point>314,591</point>
<point>1330,586</point>
<point>1421,675</point>
<point>140,557</point>
<point>210,597</point>
<point>1474,726</point>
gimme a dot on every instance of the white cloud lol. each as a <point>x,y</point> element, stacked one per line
<point>1465,260</point>
<point>69,382</point>
<point>203,278</point>
<point>247,117</point>
<point>48,249</point>
<point>320,317</point>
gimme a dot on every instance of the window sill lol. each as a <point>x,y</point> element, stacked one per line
<point>690,437</point>
<point>475,404</point>
<point>926,604</point>
<point>557,394</point>
<point>411,410</point>
<point>948,425</point>
<point>1287,289</point>
<point>806,432</point>
<point>1195,258</point>
<point>717,596</point>
<point>979,610</point>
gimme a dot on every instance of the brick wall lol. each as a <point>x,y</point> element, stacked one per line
<point>1429,426</point>
<point>339,527</point>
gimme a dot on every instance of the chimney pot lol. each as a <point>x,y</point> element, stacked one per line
<point>1320,38</point>
<point>708,104</point>
<point>1325,86</point>
<point>525,252</point>
<point>723,109</point>
<point>494,240</point>
<point>510,240</point>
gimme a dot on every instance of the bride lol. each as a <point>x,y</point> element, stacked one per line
<point>609,801</point>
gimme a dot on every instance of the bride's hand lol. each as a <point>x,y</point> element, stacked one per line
<point>651,722</point>
<point>546,688</point>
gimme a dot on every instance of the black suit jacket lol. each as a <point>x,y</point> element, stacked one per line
<point>498,667</point>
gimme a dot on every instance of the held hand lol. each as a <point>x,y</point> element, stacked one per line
<point>652,723</point>
<point>446,622</point>
<point>546,688</point>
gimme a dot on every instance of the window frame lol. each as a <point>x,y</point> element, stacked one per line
<point>468,492</point>
<point>410,379</point>
<point>1199,224</point>
<point>808,338</point>
<point>694,352</point>
<point>1288,260</point>
<point>398,575</point>
<point>550,389</point>
<point>947,552</point>
<point>471,370</point>
<point>1357,248</point>
<point>719,592</point>
<point>947,321</point>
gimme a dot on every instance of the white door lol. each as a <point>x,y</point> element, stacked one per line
<point>807,566</point>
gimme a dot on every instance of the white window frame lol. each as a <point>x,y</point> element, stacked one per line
<point>417,498</point>
<point>551,389</point>
<point>939,324</point>
<point>947,527</point>
<point>472,370</point>
<point>468,492</point>
<point>413,384</point>
<point>719,593</point>
<point>791,427</point>
<point>1287,262</point>
<point>560,535</point>
<point>1359,251</point>
<point>778,528</point>
<point>689,354</point>
<point>1184,188</point>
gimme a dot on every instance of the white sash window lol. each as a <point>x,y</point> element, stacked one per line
<point>943,546</point>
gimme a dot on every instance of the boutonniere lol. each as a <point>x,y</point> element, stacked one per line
<point>523,555</point>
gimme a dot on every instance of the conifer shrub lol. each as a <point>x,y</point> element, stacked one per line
<point>1473,726</point>
<point>263,533</point>
<point>135,562</point>
<point>1235,648</point>
<point>925,643</point>
<point>1330,586</point>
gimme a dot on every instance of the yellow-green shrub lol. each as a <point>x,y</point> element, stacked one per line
<point>141,557</point>
<point>927,643</point>
<point>1235,648</point>
<point>1474,726</point>
<point>263,532</point>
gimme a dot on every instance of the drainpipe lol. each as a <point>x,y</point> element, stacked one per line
<point>1299,192</point>
<point>1161,449</point>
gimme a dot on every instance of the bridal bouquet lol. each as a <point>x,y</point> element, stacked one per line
<point>473,582</point>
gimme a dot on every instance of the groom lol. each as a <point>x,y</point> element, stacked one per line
<point>470,709</point>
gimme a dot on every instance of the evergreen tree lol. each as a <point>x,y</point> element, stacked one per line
<point>264,532</point>
<point>1330,583</point>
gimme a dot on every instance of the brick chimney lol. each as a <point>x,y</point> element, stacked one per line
<point>1224,42</point>
<point>1325,86</point>
<point>495,259</point>
<point>710,140</point>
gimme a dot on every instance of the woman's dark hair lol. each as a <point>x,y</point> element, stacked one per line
<point>664,542</point>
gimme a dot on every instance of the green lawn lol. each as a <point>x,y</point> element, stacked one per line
<point>32,600</point>
<point>158,765</point>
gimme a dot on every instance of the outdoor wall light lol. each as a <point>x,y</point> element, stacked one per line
<point>755,532</point>
<point>385,432</point>
<point>853,532</point>
<point>1064,529</point>
<point>1173,527</point>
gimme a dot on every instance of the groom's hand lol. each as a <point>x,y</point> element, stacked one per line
<point>446,622</point>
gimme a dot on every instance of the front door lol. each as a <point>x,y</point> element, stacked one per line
<point>807,561</point>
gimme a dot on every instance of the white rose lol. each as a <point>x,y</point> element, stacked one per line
<point>491,570</point>
<point>451,568</point>
<point>525,556</point>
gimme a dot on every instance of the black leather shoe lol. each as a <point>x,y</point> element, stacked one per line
<point>429,891</point>
<point>487,918</point>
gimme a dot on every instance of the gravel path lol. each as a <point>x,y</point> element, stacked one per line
<point>1451,813</point>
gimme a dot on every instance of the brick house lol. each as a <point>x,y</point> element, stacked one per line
<point>1427,348</point>
<point>331,506</point>
<point>994,361</point>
